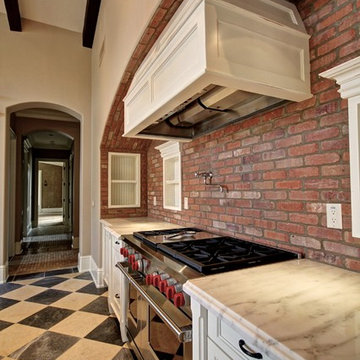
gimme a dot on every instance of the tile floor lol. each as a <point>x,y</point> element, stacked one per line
<point>58,315</point>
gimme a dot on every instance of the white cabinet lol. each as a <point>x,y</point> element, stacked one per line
<point>111,255</point>
<point>216,338</point>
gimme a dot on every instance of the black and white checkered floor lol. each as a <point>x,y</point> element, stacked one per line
<point>58,315</point>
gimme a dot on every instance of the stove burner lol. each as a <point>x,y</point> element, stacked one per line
<point>223,253</point>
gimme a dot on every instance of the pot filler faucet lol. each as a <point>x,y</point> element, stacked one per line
<point>207,177</point>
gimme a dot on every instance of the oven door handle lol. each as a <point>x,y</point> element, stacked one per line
<point>183,334</point>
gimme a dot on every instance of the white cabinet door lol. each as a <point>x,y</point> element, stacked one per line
<point>215,353</point>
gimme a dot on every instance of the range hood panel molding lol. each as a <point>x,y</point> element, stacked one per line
<point>259,47</point>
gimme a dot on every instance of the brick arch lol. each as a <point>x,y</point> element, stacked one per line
<point>112,139</point>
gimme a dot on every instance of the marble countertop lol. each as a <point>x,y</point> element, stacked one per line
<point>122,226</point>
<point>301,308</point>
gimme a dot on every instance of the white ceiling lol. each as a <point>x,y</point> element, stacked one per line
<point>50,140</point>
<point>66,14</point>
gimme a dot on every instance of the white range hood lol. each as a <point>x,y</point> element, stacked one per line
<point>217,62</point>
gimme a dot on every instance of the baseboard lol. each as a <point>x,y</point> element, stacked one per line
<point>4,273</point>
<point>87,263</point>
<point>75,242</point>
<point>84,263</point>
<point>97,274</point>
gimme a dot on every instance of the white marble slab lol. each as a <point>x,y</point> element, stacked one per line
<point>123,226</point>
<point>310,310</point>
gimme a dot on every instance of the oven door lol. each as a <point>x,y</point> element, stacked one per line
<point>158,329</point>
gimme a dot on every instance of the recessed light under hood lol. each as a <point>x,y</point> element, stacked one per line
<point>217,62</point>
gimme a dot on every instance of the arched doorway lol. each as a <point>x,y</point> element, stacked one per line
<point>47,142</point>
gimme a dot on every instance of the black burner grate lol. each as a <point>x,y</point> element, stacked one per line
<point>209,256</point>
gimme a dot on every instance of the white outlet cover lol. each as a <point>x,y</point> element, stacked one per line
<point>186,203</point>
<point>334,216</point>
<point>154,201</point>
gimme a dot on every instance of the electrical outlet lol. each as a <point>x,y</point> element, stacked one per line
<point>186,203</point>
<point>334,216</point>
<point>154,201</point>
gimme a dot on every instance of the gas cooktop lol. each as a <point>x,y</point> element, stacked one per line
<point>220,254</point>
<point>156,237</point>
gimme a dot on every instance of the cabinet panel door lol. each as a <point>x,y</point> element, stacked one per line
<point>215,353</point>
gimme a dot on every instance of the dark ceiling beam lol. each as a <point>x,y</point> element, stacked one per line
<point>91,16</point>
<point>13,14</point>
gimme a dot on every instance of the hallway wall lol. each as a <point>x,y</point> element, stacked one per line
<point>45,64</point>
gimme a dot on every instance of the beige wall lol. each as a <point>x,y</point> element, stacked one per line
<point>47,65</point>
<point>121,24</point>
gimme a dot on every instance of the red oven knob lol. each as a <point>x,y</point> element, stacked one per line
<point>165,283</point>
<point>149,279</point>
<point>156,280</point>
<point>172,290</point>
<point>179,299</point>
<point>122,250</point>
<point>162,286</point>
<point>125,252</point>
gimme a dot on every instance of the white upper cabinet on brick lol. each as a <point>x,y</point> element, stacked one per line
<point>238,47</point>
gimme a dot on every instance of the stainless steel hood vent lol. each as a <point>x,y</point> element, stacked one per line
<point>217,62</point>
<point>216,108</point>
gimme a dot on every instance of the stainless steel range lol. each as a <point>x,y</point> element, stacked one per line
<point>157,264</point>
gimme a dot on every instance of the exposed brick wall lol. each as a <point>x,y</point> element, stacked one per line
<point>281,168</point>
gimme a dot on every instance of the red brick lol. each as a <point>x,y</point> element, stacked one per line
<point>250,140</point>
<point>298,106</point>
<point>291,228</point>
<point>290,205</point>
<point>324,233</point>
<point>274,235</point>
<point>264,166</point>
<point>304,172</point>
<point>321,110</point>
<point>303,149</point>
<point>335,170</point>
<point>262,204</point>
<point>353,264</point>
<point>265,224</point>
<point>253,231</point>
<point>337,144</point>
<point>276,215</point>
<point>316,207</point>
<point>274,175</point>
<point>321,85</point>
<point>273,155</point>
<point>288,184</point>
<point>323,62</point>
<point>275,134</point>
<point>305,241</point>
<point>337,42</point>
<point>262,147</point>
<point>263,185</point>
<point>288,163</point>
<point>332,19</point>
<point>320,159</point>
<point>303,126</point>
<point>292,140</point>
<point>275,195</point>
<point>342,249</point>
<point>304,195</point>
<point>321,184</point>
<point>310,219</point>
<point>349,48</point>
<point>322,37</point>
<point>286,121</point>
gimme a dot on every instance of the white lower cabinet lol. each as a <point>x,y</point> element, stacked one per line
<point>215,353</point>
<point>214,338</point>
<point>111,255</point>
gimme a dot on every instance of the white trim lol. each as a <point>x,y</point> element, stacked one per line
<point>136,181</point>
<point>4,274</point>
<point>97,274</point>
<point>84,263</point>
<point>171,150</point>
<point>347,75</point>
